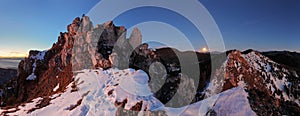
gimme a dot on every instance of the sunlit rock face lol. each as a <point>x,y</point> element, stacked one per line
<point>93,46</point>
<point>106,46</point>
<point>85,44</point>
<point>75,49</point>
<point>41,71</point>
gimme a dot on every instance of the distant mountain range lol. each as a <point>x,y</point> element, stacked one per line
<point>98,71</point>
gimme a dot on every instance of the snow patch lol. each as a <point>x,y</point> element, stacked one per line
<point>233,102</point>
<point>39,56</point>
<point>56,87</point>
<point>32,76</point>
<point>242,84</point>
<point>269,68</point>
<point>133,87</point>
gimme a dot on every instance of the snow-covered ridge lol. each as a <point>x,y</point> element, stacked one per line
<point>271,70</point>
<point>98,92</point>
<point>266,81</point>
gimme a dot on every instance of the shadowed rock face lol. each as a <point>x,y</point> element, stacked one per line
<point>6,76</point>
<point>108,38</point>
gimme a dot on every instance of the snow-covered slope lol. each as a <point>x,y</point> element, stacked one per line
<point>221,104</point>
<point>98,92</point>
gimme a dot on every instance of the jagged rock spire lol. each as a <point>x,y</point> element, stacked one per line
<point>135,38</point>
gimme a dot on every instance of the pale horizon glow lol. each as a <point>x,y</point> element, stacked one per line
<point>12,54</point>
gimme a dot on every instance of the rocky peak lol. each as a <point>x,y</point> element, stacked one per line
<point>93,46</point>
<point>109,25</point>
<point>81,47</point>
<point>238,69</point>
<point>85,25</point>
<point>73,27</point>
<point>135,38</point>
<point>41,71</point>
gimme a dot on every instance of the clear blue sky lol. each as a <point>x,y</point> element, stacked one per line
<point>259,24</point>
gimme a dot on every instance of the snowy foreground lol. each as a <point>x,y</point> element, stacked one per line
<point>94,85</point>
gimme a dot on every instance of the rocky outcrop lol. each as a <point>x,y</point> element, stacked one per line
<point>142,57</point>
<point>41,71</point>
<point>93,46</point>
<point>83,51</point>
<point>82,47</point>
<point>271,87</point>
<point>135,38</point>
